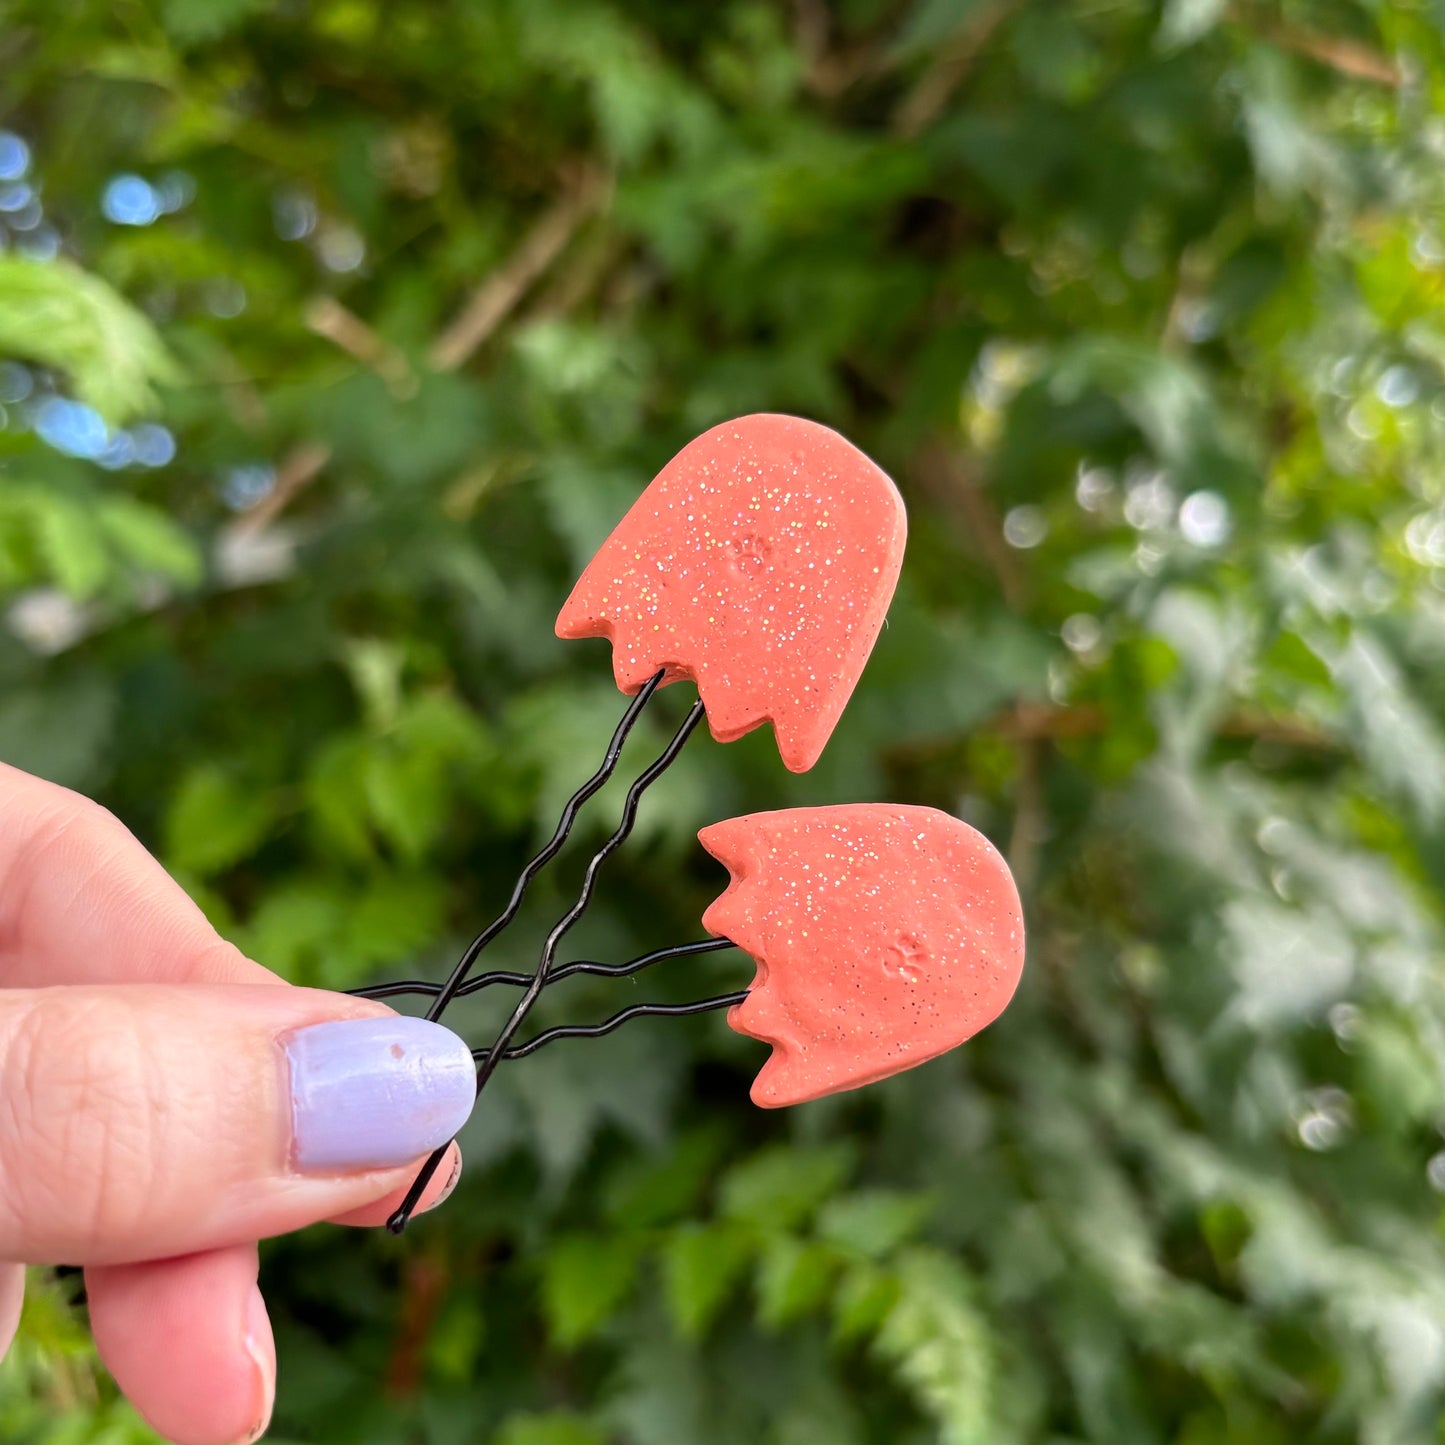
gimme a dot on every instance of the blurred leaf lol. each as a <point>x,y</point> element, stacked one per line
<point>1401,1073</point>
<point>1288,963</point>
<point>865,1298</point>
<point>54,313</point>
<point>73,546</point>
<point>375,668</point>
<point>656,1189</point>
<point>793,1278</point>
<point>147,538</point>
<point>1186,20</point>
<point>60,732</point>
<point>407,795</point>
<point>297,927</point>
<point>553,1427</point>
<point>411,441</point>
<point>192,22</point>
<point>336,797</point>
<point>700,1267</point>
<point>214,820</point>
<point>393,916</point>
<point>586,1279</point>
<point>873,1223</point>
<point>458,1340</point>
<point>781,1187</point>
<point>939,1347</point>
<point>1402,743</point>
<point>586,504</point>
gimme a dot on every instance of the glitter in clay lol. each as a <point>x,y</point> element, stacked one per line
<point>884,935</point>
<point>760,563</point>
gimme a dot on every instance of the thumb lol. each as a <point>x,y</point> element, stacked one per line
<point>146,1120</point>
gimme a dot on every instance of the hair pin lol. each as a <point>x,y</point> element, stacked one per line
<point>759,564</point>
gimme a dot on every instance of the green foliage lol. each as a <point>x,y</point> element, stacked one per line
<point>781,1187</point>
<point>52,1389</point>
<point>551,1427</point>
<point>214,822</point>
<point>701,1264</point>
<point>585,1279</point>
<point>60,316</point>
<point>941,1348</point>
<point>87,543</point>
<point>1141,306</point>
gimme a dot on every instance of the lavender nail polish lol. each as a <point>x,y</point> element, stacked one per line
<point>372,1093</point>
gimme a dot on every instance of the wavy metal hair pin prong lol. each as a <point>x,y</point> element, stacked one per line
<point>546,972</point>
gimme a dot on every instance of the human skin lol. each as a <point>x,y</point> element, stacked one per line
<point>147,1125</point>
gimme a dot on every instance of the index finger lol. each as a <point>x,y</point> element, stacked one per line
<point>81,901</point>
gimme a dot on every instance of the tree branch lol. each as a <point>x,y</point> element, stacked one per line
<point>328,318</point>
<point>1027,722</point>
<point>499,294</point>
<point>828,72</point>
<point>1347,57</point>
<point>934,89</point>
<point>423,1291</point>
<point>299,468</point>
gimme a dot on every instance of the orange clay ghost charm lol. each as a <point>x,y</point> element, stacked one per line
<point>884,935</point>
<point>760,563</point>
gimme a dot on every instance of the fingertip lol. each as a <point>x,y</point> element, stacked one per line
<point>259,1344</point>
<point>188,1342</point>
<point>12,1297</point>
<point>437,1192</point>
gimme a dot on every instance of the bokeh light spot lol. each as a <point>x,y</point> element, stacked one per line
<point>154,445</point>
<point>1081,632</point>
<point>130,200</point>
<point>1204,519</point>
<point>119,452</point>
<point>1094,488</point>
<point>14,156</point>
<point>71,427</point>
<point>242,487</point>
<point>16,382</point>
<point>175,190</point>
<point>225,297</point>
<point>1025,527</point>
<point>341,248</point>
<point>293,213</point>
<point>42,244</point>
<point>1398,387</point>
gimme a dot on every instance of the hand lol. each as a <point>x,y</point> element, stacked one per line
<point>167,1103</point>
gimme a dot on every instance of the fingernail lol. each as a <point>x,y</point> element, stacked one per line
<point>373,1093</point>
<point>255,1338</point>
<point>449,1188</point>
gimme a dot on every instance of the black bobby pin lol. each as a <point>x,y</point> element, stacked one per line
<point>497,1052</point>
<point>637,1011</point>
<point>546,973</point>
<point>427,989</point>
<point>554,846</point>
